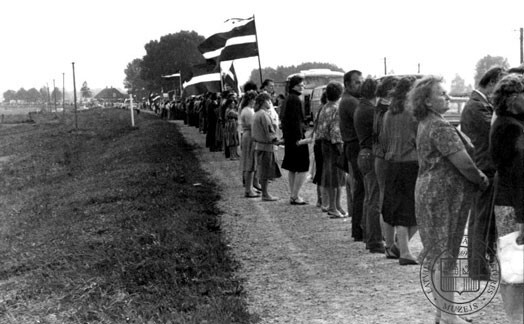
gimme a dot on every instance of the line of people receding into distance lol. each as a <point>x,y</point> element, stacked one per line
<point>406,168</point>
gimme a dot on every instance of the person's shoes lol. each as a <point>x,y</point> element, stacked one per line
<point>251,195</point>
<point>392,252</point>
<point>324,209</point>
<point>256,190</point>
<point>297,201</point>
<point>378,249</point>
<point>269,198</point>
<point>343,212</point>
<point>335,214</point>
<point>403,261</point>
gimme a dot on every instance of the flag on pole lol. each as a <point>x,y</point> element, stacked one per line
<point>239,42</point>
<point>206,77</point>
<point>229,79</point>
<point>169,76</point>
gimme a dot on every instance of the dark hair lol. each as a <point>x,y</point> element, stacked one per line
<point>422,90</point>
<point>265,83</point>
<point>506,88</point>
<point>399,95</point>
<point>334,90</point>
<point>493,75</point>
<point>248,96</point>
<point>323,97</point>
<point>249,85</point>
<point>349,75</point>
<point>260,99</point>
<point>385,85</point>
<point>296,79</point>
<point>368,88</point>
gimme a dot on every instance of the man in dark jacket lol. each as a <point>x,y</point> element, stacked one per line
<point>475,122</point>
<point>347,107</point>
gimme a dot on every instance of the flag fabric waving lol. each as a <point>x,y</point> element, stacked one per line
<point>206,77</point>
<point>230,79</point>
<point>239,42</point>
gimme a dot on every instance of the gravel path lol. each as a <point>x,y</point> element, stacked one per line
<point>300,266</point>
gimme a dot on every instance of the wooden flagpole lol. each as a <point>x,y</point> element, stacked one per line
<point>258,50</point>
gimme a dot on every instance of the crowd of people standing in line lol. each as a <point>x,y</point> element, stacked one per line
<point>406,167</point>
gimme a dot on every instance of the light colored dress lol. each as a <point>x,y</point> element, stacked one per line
<point>247,146</point>
<point>443,195</point>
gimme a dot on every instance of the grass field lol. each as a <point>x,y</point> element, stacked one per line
<point>110,224</point>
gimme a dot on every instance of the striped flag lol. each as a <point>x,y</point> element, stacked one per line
<point>206,78</point>
<point>230,79</point>
<point>239,42</point>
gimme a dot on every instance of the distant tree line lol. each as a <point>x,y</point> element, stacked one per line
<point>33,95</point>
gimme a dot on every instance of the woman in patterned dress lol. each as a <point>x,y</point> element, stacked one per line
<point>328,131</point>
<point>446,182</point>
<point>231,138</point>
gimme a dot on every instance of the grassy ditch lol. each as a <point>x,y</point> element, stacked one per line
<point>110,224</point>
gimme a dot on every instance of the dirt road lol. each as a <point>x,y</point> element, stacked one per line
<point>300,266</point>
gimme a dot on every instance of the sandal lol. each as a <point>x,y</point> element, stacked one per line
<point>392,252</point>
<point>297,201</point>
<point>335,214</point>
<point>251,195</point>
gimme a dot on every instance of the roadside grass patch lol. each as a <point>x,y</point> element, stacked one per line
<point>104,225</point>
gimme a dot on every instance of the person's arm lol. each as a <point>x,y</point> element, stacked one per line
<point>463,162</point>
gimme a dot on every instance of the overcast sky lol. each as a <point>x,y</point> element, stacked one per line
<point>40,39</point>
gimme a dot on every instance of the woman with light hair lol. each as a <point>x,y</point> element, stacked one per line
<point>445,185</point>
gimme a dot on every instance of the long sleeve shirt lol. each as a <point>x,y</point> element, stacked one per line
<point>363,122</point>
<point>263,131</point>
<point>346,109</point>
<point>475,121</point>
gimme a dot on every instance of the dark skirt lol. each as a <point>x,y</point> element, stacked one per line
<point>317,151</point>
<point>296,158</point>
<point>398,208</point>
<point>332,176</point>
<point>266,165</point>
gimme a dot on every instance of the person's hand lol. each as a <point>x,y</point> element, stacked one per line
<point>484,184</point>
<point>520,238</point>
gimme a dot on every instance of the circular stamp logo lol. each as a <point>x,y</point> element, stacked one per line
<point>457,282</point>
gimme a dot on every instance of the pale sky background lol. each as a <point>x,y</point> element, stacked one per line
<point>40,39</point>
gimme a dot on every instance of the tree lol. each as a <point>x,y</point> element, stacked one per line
<point>21,94</point>
<point>58,94</point>
<point>281,73</point>
<point>486,63</point>
<point>85,91</point>
<point>133,82</point>
<point>172,53</point>
<point>33,95</point>
<point>9,95</point>
<point>44,94</point>
<point>458,85</point>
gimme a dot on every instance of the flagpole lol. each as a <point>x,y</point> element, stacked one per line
<point>180,82</point>
<point>258,50</point>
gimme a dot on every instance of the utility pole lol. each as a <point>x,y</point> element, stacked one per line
<point>521,46</point>
<point>418,68</point>
<point>385,67</point>
<point>63,94</point>
<point>74,91</point>
<point>48,96</point>
<point>54,93</point>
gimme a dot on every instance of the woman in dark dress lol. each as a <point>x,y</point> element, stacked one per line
<point>296,157</point>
